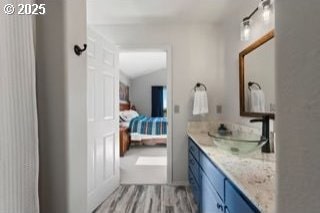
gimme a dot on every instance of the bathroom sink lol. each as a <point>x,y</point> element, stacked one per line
<point>238,143</point>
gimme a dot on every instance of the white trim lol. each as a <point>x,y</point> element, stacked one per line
<point>180,183</point>
<point>168,49</point>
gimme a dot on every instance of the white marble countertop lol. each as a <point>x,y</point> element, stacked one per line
<point>254,174</point>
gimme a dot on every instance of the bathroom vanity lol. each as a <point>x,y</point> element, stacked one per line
<point>232,183</point>
<point>225,183</point>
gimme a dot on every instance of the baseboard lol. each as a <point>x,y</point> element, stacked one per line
<point>179,183</point>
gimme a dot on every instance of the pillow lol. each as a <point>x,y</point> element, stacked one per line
<point>128,115</point>
<point>133,113</point>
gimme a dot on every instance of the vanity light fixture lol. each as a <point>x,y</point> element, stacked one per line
<point>266,6</point>
<point>245,29</point>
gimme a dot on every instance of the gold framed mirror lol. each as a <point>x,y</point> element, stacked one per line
<point>257,78</point>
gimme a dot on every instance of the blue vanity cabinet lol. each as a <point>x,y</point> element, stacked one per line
<point>210,200</point>
<point>195,168</point>
<point>215,177</point>
<point>194,150</point>
<point>194,174</point>
<point>205,194</point>
<point>196,189</point>
<point>236,202</point>
<point>212,190</point>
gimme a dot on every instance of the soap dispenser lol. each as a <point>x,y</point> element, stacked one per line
<point>222,130</point>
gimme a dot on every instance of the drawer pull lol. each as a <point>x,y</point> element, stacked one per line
<point>219,206</point>
<point>226,210</point>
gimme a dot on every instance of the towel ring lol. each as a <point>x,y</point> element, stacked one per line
<point>251,83</point>
<point>199,86</point>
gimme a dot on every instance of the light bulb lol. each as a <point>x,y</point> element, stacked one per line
<point>245,30</point>
<point>266,6</point>
<point>246,33</point>
<point>266,13</point>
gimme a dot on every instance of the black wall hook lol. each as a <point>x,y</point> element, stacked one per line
<point>78,49</point>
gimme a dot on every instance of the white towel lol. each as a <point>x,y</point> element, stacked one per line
<point>200,105</point>
<point>257,101</point>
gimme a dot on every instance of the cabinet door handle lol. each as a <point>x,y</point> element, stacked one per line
<point>219,206</point>
<point>226,209</point>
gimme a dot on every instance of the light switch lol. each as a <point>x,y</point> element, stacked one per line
<point>176,109</point>
<point>219,109</point>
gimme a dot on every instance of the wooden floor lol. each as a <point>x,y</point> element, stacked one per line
<point>149,199</point>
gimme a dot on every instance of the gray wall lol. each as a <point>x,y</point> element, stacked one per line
<point>140,90</point>
<point>124,79</point>
<point>298,98</point>
<point>61,88</point>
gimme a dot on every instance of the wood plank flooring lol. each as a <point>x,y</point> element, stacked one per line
<point>149,199</point>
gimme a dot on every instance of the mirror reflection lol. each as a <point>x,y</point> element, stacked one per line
<point>259,79</point>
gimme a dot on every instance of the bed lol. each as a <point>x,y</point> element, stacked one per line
<point>143,129</point>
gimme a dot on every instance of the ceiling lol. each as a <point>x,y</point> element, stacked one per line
<point>137,63</point>
<point>156,11</point>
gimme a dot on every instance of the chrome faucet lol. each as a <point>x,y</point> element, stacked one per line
<point>265,120</point>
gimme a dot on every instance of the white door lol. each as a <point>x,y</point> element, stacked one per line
<point>103,119</point>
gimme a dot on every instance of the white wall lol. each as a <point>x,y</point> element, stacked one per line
<point>298,98</point>
<point>232,47</point>
<point>140,90</point>
<point>124,79</point>
<point>61,88</point>
<point>196,57</point>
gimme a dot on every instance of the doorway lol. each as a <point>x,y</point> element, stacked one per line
<point>145,140</point>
